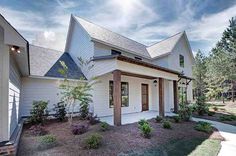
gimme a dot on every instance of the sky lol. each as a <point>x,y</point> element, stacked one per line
<point>45,22</point>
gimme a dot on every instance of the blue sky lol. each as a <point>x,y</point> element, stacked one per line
<point>45,22</point>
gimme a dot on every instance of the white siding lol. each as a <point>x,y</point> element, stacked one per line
<point>101,95</point>
<point>80,44</point>
<point>163,61</point>
<point>35,89</point>
<point>101,50</point>
<point>4,78</point>
<point>168,95</point>
<point>14,95</point>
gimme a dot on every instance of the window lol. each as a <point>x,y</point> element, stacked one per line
<point>138,58</point>
<point>181,60</point>
<point>124,94</point>
<point>114,52</point>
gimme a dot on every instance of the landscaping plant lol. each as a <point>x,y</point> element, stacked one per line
<point>203,126</point>
<point>104,126</point>
<point>166,124</point>
<point>60,110</point>
<point>79,129</point>
<point>146,129</point>
<point>227,117</point>
<point>93,119</point>
<point>39,112</point>
<point>47,141</point>
<point>185,112</point>
<point>201,106</point>
<point>210,113</point>
<point>158,118</point>
<point>176,118</point>
<point>77,91</point>
<point>93,141</point>
<point>142,122</point>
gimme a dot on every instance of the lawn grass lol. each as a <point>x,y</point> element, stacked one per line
<point>193,147</point>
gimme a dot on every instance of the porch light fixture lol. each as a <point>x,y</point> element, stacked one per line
<point>15,49</point>
<point>155,82</point>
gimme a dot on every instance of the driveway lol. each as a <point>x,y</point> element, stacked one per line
<point>228,132</point>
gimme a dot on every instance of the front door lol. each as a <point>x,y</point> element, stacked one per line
<point>144,97</point>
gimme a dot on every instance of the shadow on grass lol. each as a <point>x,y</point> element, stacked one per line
<point>183,147</point>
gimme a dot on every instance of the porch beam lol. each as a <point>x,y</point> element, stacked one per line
<point>117,97</point>
<point>161,98</point>
<point>175,88</point>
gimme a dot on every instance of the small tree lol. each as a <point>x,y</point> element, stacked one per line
<point>77,91</point>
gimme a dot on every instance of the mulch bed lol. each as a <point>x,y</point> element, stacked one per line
<point>215,117</point>
<point>115,141</point>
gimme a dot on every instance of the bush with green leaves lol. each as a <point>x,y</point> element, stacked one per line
<point>39,112</point>
<point>104,126</point>
<point>47,142</point>
<point>203,126</point>
<point>145,129</point>
<point>210,113</point>
<point>176,118</point>
<point>227,117</point>
<point>93,141</point>
<point>60,111</point>
<point>142,121</point>
<point>185,112</point>
<point>93,119</point>
<point>201,106</point>
<point>166,124</point>
<point>158,118</point>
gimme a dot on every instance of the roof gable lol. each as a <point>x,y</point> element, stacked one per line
<point>46,62</point>
<point>106,36</point>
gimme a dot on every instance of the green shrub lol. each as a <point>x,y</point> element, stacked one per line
<point>215,108</point>
<point>209,113</point>
<point>60,110</point>
<point>142,122</point>
<point>185,112</point>
<point>158,118</point>
<point>104,126</point>
<point>47,141</point>
<point>201,106</point>
<point>176,118</point>
<point>93,141</point>
<point>227,118</point>
<point>39,112</point>
<point>166,124</point>
<point>146,130</point>
<point>203,126</point>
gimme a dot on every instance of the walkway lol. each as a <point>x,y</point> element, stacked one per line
<point>228,147</point>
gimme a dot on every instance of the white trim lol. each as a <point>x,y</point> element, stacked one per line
<point>54,78</point>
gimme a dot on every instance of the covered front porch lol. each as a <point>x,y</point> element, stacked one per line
<point>148,89</point>
<point>133,117</point>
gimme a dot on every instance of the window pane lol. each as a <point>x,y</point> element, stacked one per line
<point>181,60</point>
<point>124,94</point>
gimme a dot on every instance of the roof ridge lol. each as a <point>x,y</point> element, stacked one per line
<point>165,39</point>
<point>46,48</point>
<point>109,30</point>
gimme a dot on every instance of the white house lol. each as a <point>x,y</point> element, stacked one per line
<point>132,77</point>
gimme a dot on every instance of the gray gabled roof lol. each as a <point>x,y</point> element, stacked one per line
<point>46,62</point>
<point>104,35</point>
<point>165,46</point>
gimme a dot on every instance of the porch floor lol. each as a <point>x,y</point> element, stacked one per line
<point>134,117</point>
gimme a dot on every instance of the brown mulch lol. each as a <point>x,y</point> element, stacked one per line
<point>115,140</point>
<point>215,117</point>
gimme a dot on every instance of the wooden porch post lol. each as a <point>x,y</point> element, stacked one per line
<point>161,97</point>
<point>175,88</point>
<point>117,97</point>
